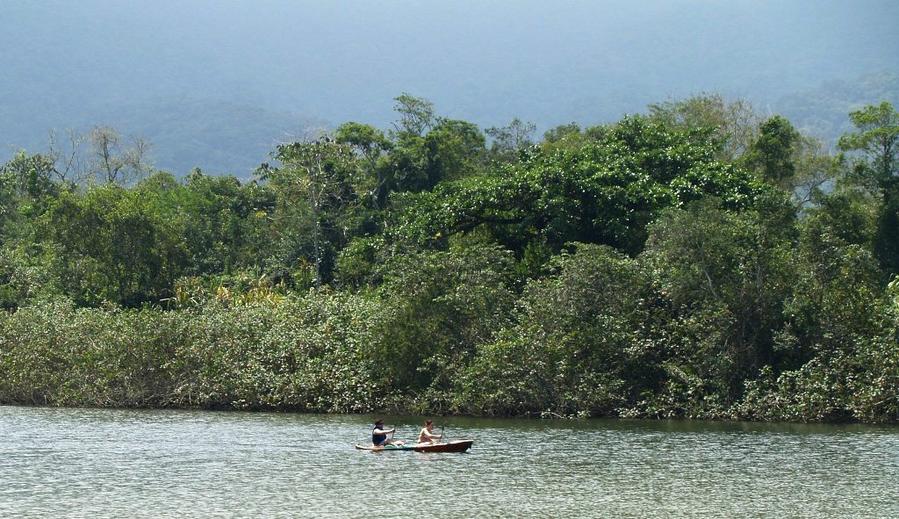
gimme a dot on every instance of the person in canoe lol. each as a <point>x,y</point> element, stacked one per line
<point>381,436</point>
<point>427,433</point>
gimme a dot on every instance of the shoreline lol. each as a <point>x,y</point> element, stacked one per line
<point>395,414</point>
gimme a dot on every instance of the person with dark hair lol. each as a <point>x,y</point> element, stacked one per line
<point>427,433</point>
<point>380,436</point>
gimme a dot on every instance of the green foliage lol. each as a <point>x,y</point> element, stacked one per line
<point>416,114</point>
<point>841,339</point>
<point>509,141</point>
<point>113,244</point>
<point>456,149</point>
<point>772,153</point>
<point>886,241</point>
<point>451,150</point>
<point>575,348</point>
<point>437,307</point>
<point>603,191</point>
<point>834,295</point>
<point>833,387</point>
<point>564,133</point>
<point>315,188</point>
<point>226,224</point>
<point>25,276</point>
<point>874,397</point>
<point>733,124</point>
<point>670,265</point>
<point>29,176</point>
<point>308,354</point>
<point>876,138</point>
<point>731,272</point>
<point>849,217</point>
<point>875,145</point>
<point>370,145</point>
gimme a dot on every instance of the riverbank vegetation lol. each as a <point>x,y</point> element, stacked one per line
<point>696,261</point>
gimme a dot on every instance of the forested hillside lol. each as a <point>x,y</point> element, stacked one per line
<point>700,260</point>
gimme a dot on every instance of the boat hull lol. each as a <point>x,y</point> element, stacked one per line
<point>453,446</point>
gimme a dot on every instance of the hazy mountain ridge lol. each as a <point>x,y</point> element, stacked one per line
<point>248,74</point>
<point>217,136</point>
<point>228,137</point>
<point>823,111</point>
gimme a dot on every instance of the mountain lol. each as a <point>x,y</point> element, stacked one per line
<point>215,84</point>
<point>823,111</point>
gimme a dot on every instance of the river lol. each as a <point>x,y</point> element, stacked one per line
<point>122,463</point>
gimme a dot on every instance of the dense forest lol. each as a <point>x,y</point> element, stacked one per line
<point>696,261</point>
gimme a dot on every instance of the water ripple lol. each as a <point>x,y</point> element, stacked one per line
<point>102,463</point>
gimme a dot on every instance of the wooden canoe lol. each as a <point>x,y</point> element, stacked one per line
<point>452,446</point>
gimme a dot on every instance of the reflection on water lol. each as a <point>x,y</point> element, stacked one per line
<point>102,463</point>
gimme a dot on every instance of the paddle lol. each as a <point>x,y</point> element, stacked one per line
<point>430,432</point>
<point>390,434</point>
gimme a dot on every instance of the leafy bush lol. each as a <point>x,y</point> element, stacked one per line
<point>309,354</point>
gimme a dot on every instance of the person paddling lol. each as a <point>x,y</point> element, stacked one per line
<point>427,433</point>
<point>379,436</point>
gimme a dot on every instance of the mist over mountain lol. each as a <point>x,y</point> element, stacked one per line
<point>216,84</point>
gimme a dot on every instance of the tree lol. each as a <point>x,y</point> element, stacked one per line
<point>734,124</point>
<point>771,155</point>
<point>846,217</point>
<point>561,133</point>
<point>67,156</point>
<point>318,175</point>
<point>728,271</point>
<point>113,160</point>
<point>455,149</point>
<point>875,139</point>
<point>575,345</point>
<point>225,222</point>
<point>438,306</point>
<point>114,244</point>
<point>597,191</point>
<point>416,114</point>
<point>509,140</point>
<point>370,144</point>
<point>30,176</point>
<point>815,168</point>
<point>451,150</point>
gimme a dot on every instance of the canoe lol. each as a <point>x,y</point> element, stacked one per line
<point>453,446</point>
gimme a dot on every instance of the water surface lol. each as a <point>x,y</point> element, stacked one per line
<point>114,463</point>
